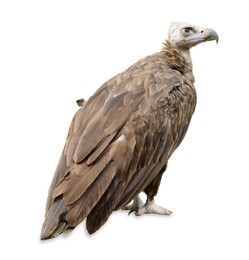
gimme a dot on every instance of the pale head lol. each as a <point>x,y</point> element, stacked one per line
<point>185,36</point>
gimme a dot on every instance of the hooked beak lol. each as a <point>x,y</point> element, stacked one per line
<point>210,35</point>
<point>202,36</point>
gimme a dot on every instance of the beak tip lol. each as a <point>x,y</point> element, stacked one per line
<point>212,35</point>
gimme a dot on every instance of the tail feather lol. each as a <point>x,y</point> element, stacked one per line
<point>54,222</point>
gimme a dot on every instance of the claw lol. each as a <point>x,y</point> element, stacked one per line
<point>132,210</point>
<point>134,206</point>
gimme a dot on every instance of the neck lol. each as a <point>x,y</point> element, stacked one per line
<point>189,68</point>
<point>179,59</point>
<point>186,54</point>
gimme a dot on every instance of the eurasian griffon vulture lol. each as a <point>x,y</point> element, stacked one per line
<point>121,139</point>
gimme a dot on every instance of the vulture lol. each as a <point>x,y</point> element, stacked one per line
<point>120,139</point>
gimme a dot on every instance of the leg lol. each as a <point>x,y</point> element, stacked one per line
<point>151,191</point>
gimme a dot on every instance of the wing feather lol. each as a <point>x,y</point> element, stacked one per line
<point>79,183</point>
<point>106,205</point>
<point>99,150</point>
<point>78,210</point>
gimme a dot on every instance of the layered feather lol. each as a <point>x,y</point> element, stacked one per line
<point>119,142</point>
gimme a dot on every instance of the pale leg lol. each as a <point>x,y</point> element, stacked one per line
<point>152,208</point>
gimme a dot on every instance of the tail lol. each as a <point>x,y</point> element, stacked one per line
<point>55,222</point>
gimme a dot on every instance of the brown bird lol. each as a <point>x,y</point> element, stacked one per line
<point>121,139</point>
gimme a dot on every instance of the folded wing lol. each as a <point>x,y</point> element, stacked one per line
<point>117,144</point>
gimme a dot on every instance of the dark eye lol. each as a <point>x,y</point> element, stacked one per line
<point>186,30</point>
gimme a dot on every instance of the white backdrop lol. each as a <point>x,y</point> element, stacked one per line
<point>53,52</point>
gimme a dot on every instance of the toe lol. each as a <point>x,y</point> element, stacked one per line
<point>167,212</point>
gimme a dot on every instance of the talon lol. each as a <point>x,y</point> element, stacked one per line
<point>132,210</point>
<point>134,206</point>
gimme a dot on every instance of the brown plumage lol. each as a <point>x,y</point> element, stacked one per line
<point>120,140</point>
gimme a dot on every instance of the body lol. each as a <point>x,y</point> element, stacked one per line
<point>119,142</point>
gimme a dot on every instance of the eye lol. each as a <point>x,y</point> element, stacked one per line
<point>186,30</point>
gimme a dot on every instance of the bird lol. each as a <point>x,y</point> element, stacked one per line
<point>121,138</point>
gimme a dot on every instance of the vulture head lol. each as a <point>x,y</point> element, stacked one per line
<point>184,36</point>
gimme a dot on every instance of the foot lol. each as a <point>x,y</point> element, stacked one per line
<point>135,205</point>
<point>152,208</point>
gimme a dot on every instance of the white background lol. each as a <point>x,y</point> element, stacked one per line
<point>53,52</point>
